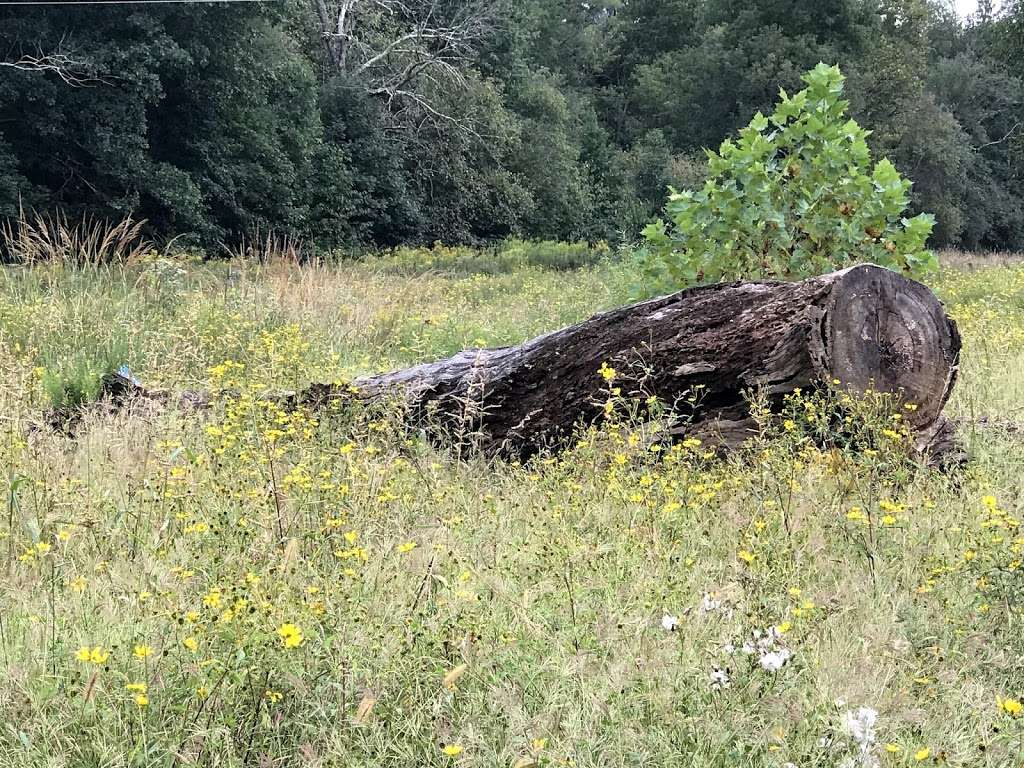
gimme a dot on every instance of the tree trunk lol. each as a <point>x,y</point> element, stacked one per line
<point>865,326</point>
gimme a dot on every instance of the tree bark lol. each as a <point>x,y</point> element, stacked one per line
<point>867,327</point>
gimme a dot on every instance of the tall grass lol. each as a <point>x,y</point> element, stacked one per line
<point>265,246</point>
<point>260,587</point>
<point>54,238</point>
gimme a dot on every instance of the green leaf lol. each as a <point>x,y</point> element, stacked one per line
<point>800,199</point>
<point>759,123</point>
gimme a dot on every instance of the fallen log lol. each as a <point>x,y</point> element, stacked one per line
<point>867,327</point>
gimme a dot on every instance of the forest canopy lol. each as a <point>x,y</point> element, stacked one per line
<point>380,122</point>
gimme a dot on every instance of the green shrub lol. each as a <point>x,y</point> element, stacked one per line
<point>76,379</point>
<point>795,194</point>
<point>501,258</point>
<point>548,254</point>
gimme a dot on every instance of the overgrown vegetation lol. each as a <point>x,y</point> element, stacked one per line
<point>76,380</point>
<point>795,195</point>
<point>507,256</point>
<point>260,587</point>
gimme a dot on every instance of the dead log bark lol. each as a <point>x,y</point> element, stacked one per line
<point>865,326</point>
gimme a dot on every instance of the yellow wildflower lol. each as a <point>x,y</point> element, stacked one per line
<point>1012,707</point>
<point>291,636</point>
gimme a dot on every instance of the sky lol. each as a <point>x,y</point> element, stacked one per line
<point>966,7</point>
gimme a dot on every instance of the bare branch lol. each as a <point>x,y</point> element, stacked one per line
<point>406,52</point>
<point>999,141</point>
<point>67,68</point>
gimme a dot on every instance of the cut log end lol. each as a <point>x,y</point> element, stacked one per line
<point>883,332</point>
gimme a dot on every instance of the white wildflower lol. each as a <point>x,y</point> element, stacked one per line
<point>768,639</point>
<point>861,726</point>
<point>773,661</point>
<point>863,760</point>
<point>709,604</point>
<point>719,679</point>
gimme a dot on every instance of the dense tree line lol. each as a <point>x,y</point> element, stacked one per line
<point>392,121</point>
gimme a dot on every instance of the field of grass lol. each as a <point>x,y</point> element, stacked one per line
<point>257,587</point>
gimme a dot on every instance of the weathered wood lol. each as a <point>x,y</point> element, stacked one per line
<point>866,326</point>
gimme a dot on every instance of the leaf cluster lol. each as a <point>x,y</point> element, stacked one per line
<point>794,194</point>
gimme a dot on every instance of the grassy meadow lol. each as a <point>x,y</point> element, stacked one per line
<point>256,587</point>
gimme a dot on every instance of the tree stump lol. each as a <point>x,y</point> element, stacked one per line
<point>867,327</point>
